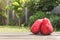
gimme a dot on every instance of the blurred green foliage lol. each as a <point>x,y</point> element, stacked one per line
<point>38,15</point>
<point>3,5</point>
<point>55,20</point>
<point>18,6</point>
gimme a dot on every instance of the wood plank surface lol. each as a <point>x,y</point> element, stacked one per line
<point>28,36</point>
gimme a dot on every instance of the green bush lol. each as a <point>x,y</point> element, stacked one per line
<point>38,15</point>
<point>55,19</point>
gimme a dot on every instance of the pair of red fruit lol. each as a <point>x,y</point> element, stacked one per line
<point>43,26</point>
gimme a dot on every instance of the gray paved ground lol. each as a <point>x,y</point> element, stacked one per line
<point>29,36</point>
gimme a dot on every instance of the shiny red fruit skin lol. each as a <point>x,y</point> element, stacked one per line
<point>35,28</point>
<point>46,27</point>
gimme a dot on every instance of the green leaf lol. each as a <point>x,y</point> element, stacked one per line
<point>15,3</point>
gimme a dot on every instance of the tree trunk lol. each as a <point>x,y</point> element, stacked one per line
<point>4,20</point>
<point>18,21</point>
<point>26,16</point>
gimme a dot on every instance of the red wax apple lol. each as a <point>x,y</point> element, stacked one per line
<point>35,28</point>
<point>46,27</point>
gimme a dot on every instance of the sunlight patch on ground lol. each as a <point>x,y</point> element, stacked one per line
<point>13,29</point>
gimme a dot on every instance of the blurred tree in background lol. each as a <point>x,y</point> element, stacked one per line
<point>3,15</point>
<point>17,6</point>
<point>43,5</point>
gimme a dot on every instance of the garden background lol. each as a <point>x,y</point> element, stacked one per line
<point>21,14</point>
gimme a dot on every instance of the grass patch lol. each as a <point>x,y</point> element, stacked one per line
<point>14,29</point>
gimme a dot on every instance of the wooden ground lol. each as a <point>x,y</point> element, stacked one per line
<point>29,36</point>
